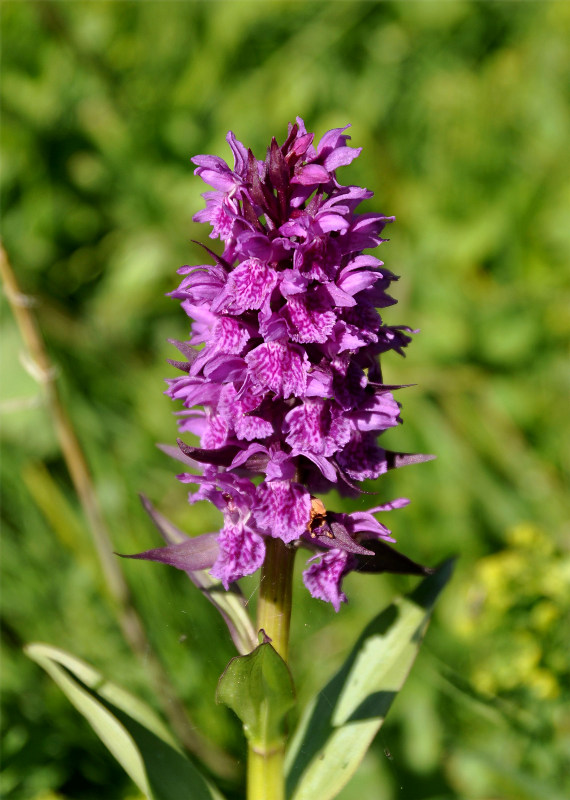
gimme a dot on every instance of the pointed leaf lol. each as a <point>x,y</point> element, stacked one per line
<point>396,460</point>
<point>131,731</point>
<point>340,723</point>
<point>386,559</point>
<point>221,457</point>
<point>344,540</point>
<point>230,604</point>
<point>259,689</point>
<point>194,553</point>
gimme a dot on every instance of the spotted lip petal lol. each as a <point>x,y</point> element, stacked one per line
<point>241,552</point>
<point>279,367</point>
<point>282,509</point>
<point>287,384</point>
<point>317,426</point>
<point>323,578</point>
<point>247,288</point>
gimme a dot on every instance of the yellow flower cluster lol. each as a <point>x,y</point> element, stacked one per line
<point>512,611</point>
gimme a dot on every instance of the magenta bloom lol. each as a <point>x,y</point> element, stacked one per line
<point>287,387</point>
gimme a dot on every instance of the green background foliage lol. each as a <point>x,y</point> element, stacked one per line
<point>462,109</point>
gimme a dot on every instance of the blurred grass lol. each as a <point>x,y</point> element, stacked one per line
<point>462,110</point>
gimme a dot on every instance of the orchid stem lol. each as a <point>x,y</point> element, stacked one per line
<point>275,592</point>
<point>265,776</point>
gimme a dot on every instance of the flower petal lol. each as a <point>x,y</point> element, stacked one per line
<point>341,157</point>
<point>317,426</point>
<point>309,322</point>
<point>248,287</point>
<point>324,577</point>
<point>362,459</point>
<point>311,175</point>
<point>237,413</point>
<point>241,553</point>
<point>214,171</point>
<point>283,509</point>
<point>279,367</point>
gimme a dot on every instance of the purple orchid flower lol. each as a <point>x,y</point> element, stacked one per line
<point>287,385</point>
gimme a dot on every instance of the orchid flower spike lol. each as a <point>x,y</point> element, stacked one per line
<point>286,394</point>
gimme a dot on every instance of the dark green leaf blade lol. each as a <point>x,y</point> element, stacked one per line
<point>340,723</point>
<point>130,730</point>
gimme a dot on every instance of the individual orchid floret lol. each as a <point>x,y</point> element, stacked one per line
<point>285,397</point>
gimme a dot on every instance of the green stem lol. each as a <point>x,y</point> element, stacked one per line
<point>275,590</point>
<point>265,778</point>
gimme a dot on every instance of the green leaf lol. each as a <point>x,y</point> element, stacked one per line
<point>341,721</point>
<point>259,689</point>
<point>131,730</point>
